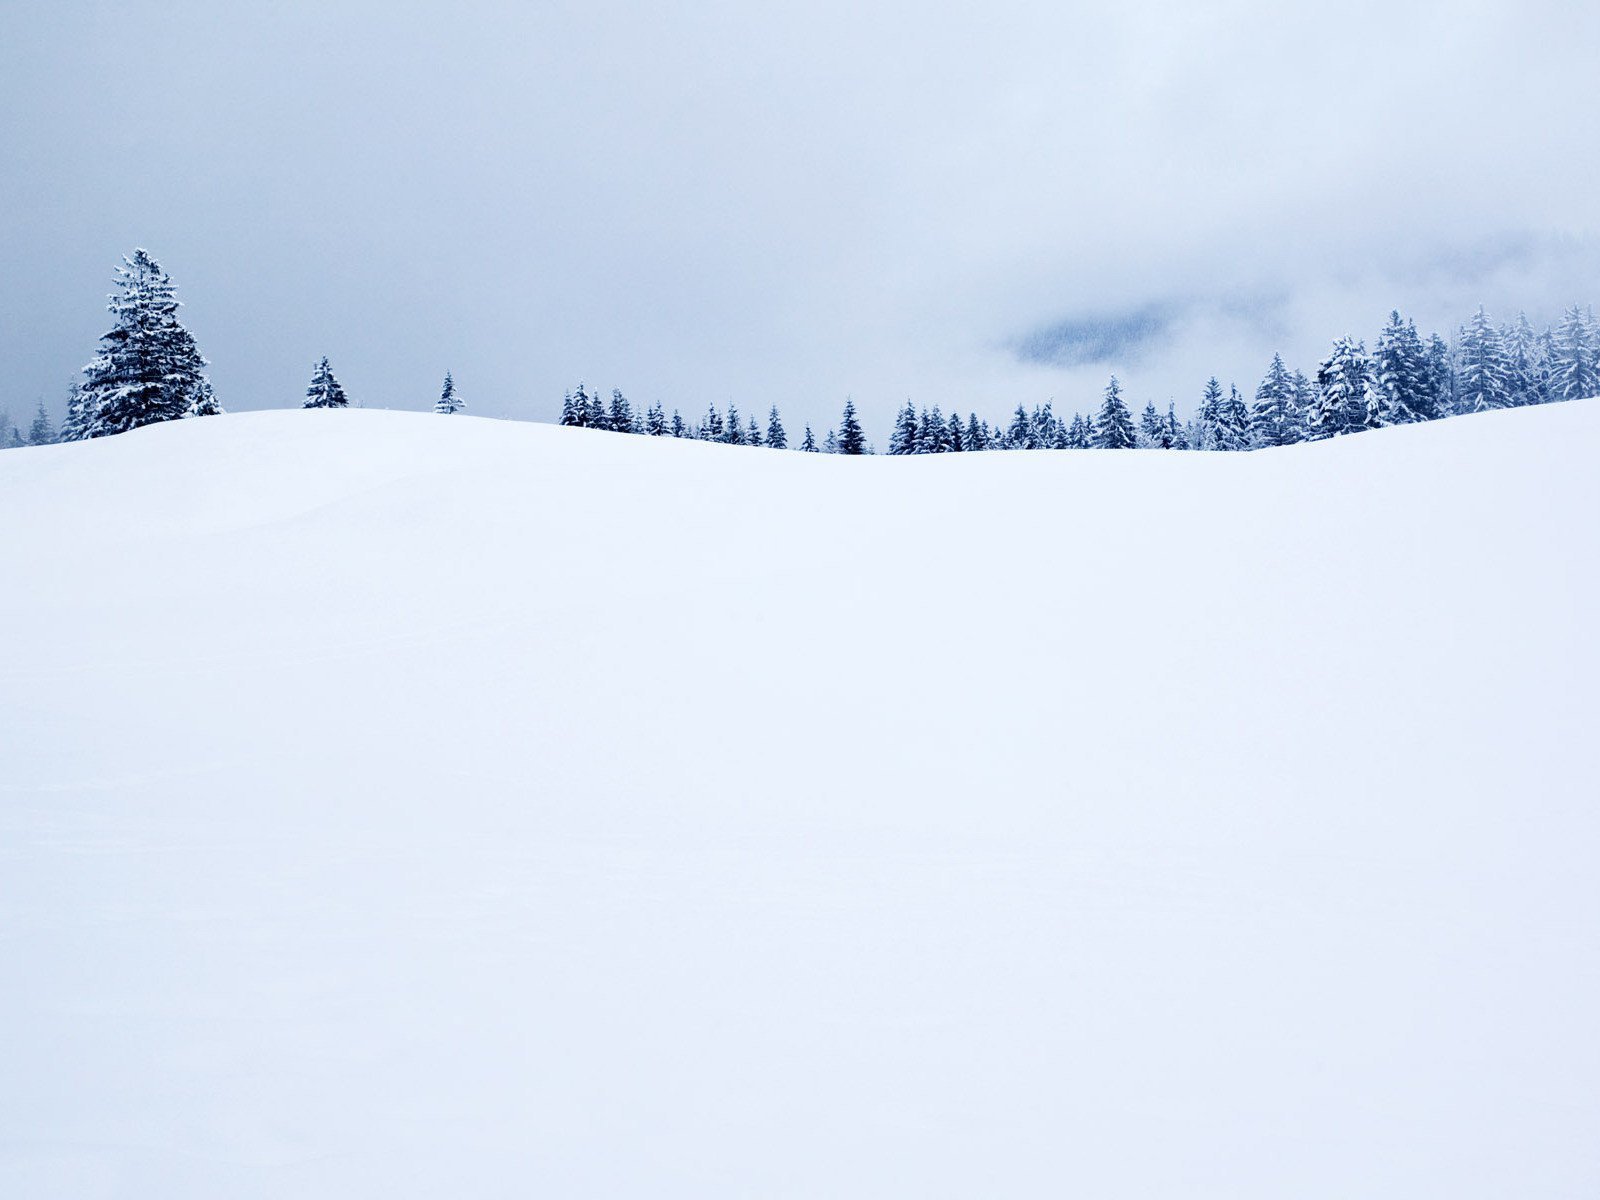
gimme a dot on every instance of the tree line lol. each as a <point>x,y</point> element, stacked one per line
<point>148,369</point>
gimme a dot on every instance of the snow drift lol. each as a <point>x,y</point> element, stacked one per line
<point>409,806</point>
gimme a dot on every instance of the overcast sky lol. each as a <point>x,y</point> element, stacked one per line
<point>787,203</point>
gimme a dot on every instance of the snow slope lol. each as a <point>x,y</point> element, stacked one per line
<point>404,806</point>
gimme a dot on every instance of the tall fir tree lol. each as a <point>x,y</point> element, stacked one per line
<point>1208,419</point>
<point>1575,374</point>
<point>41,432</point>
<point>149,368</point>
<point>655,420</point>
<point>621,418</point>
<point>851,438</point>
<point>1525,360</point>
<point>776,437</point>
<point>733,432</point>
<point>1483,373</point>
<point>1150,426</point>
<point>904,438</point>
<point>1398,389</point>
<point>1339,405</point>
<point>449,400</point>
<point>1273,420</point>
<point>1233,422</point>
<point>808,444</point>
<point>1113,424</point>
<point>1172,437</point>
<point>325,391</point>
<point>955,436</point>
<point>1440,392</point>
<point>752,433</point>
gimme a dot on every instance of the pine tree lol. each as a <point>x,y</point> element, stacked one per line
<point>977,434</point>
<point>830,444</point>
<point>711,429</point>
<point>1150,426</point>
<point>324,391</point>
<point>1080,434</point>
<point>1020,435</point>
<point>1398,387</point>
<point>1272,418</point>
<point>1574,375</point>
<point>1440,391</point>
<point>1208,420</point>
<point>1172,437</point>
<point>1525,359</point>
<point>449,401</point>
<point>655,420</point>
<point>574,408</point>
<point>1483,374</point>
<point>1233,422</point>
<point>808,445</point>
<point>733,432</point>
<point>13,439</point>
<point>1113,424</point>
<point>680,427</point>
<point>851,439</point>
<point>752,433</point>
<point>621,419</point>
<point>933,435</point>
<point>776,437</point>
<point>954,438</point>
<point>148,368</point>
<point>1340,403</point>
<point>75,427</point>
<point>906,433</point>
<point>41,432</point>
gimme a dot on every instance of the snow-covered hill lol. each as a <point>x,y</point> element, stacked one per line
<point>405,806</point>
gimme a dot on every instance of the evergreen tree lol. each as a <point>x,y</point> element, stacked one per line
<point>977,434</point>
<point>680,427</point>
<point>1525,359</point>
<point>1440,392</point>
<point>808,444</point>
<point>955,438</point>
<point>1020,435</point>
<point>1273,419</point>
<point>621,419</point>
<point>752,434</point>
<point>711,429</point>
<point>1080,434</point>
<point>41,432</point>
<point>14,440</point>
<point>1574,375</point>
<point>449,401</point>
<point>1483,374</point>
<point>1233,422</point>
<point>1172,437</point>
<point>75,427</point>
<point>906,433</point>
<point>1208,420</point>
<point>325,391</point>
<point>574,408</point>
<point>1340,402</point>
<point>933,435</point>
<point>851,439</point>
<point>148,368</point>
<point>1151,426</point>
<point>655,420</point>
<point>776,437</point>
<point>1113,425</point>
<point>733,432</point>
<point>594,411</point>
<point>830,444</point>
<point>1398,391</point>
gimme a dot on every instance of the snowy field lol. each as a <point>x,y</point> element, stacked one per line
<point>395,805</point>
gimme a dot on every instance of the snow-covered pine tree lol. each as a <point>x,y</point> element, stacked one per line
<point>1575,375</point>
<point>1441,379</point>
<point>851,438</point>
<point>776,437</point>
<point>1113,424</point>
<point>977,433</point>
<point>449,400</point>
<point>808,444</point>
<point>41,432</point>
<point>1150,426</point>
<point>324,391</point>
<point>655,420</point>
<point>1080,434</point>
<point>904,437</point>
<point>571,410</point>
<point>1525,358</point>
<point>830,444</point>
<point>1398,388</point>
<point>13,439</point>
<point>1172,438</point>
<point>1019,436</point>
<point>148,368</point>
<point>752,433</point>
<point>933,434</point>
<point>712,429</point>
<point>1233,422</point>
<point>1208,419</point>
<point>955,438</point>
<point>1272,417</point>
<point>621,418</point>
<point>733,432</point>
<point>680,427</point>
<point>1340,403</point>
<point>1483,373</point>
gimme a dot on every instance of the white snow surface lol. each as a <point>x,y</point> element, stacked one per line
<point>395,805</point>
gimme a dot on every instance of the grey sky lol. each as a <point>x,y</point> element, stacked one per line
<point>786,203</point>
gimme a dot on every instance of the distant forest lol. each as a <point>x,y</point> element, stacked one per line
<point>148,369</point>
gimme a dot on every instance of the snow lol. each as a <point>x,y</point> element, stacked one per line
<point>407,807</point>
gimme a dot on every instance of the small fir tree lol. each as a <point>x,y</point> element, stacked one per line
<point>324,391</point>
<point>449,399</point>
<point>1113,424</point>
